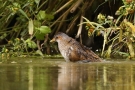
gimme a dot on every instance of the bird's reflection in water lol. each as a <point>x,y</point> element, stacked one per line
<point>75,76</point>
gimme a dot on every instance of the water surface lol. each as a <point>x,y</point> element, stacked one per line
<point>56,74</point>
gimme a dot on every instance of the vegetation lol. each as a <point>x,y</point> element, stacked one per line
<point>27,25</point>
<point>122,29</point>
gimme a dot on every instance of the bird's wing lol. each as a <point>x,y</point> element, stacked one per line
<point>73,54</point>
<point>76,51</point>
<point>80,52</point>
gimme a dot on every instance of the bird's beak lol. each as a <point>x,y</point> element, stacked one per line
<point>53,40</point>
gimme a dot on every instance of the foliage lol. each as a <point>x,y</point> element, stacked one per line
<point>32,20</point>
<point>120,33</point>
<point>22,23</point>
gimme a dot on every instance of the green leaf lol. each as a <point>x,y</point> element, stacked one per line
<point>16,5</point>
<point>37,23</point>
<point>3,36</point>
<point>22,12</point>
<point>44,29</point>
<point>31,44</point>
<point>41,15</point>
<point>37,1</point>
<point>40,36</point>
<point>49,17</point>
<point>40,53</point>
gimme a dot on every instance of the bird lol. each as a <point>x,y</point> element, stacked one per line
<point>73,51</point>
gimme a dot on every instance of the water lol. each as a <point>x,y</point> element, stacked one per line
<point>56,74</point>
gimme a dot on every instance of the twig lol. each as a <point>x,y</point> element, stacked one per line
<point>65,5</point>
<point>46,38</point>
<point>59,18</point>
<point>61,23</point>
<point>75,6</point>
<point>38,44</point>
<point>80,28</point>
<point>100,5</point>
<point>63,15</point>
<point>85,6</point>
<point>72,23</point>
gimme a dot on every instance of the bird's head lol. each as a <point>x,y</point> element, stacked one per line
<point>59,36</point>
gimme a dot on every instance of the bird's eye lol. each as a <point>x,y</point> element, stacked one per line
<point>57,37</point>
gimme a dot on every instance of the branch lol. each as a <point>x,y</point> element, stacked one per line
<point>75,6</point>
<point>80,28</point>
<point>72,24</point>
<point>65,5</point>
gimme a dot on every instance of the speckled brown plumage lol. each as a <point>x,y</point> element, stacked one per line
<point>73,51</point>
